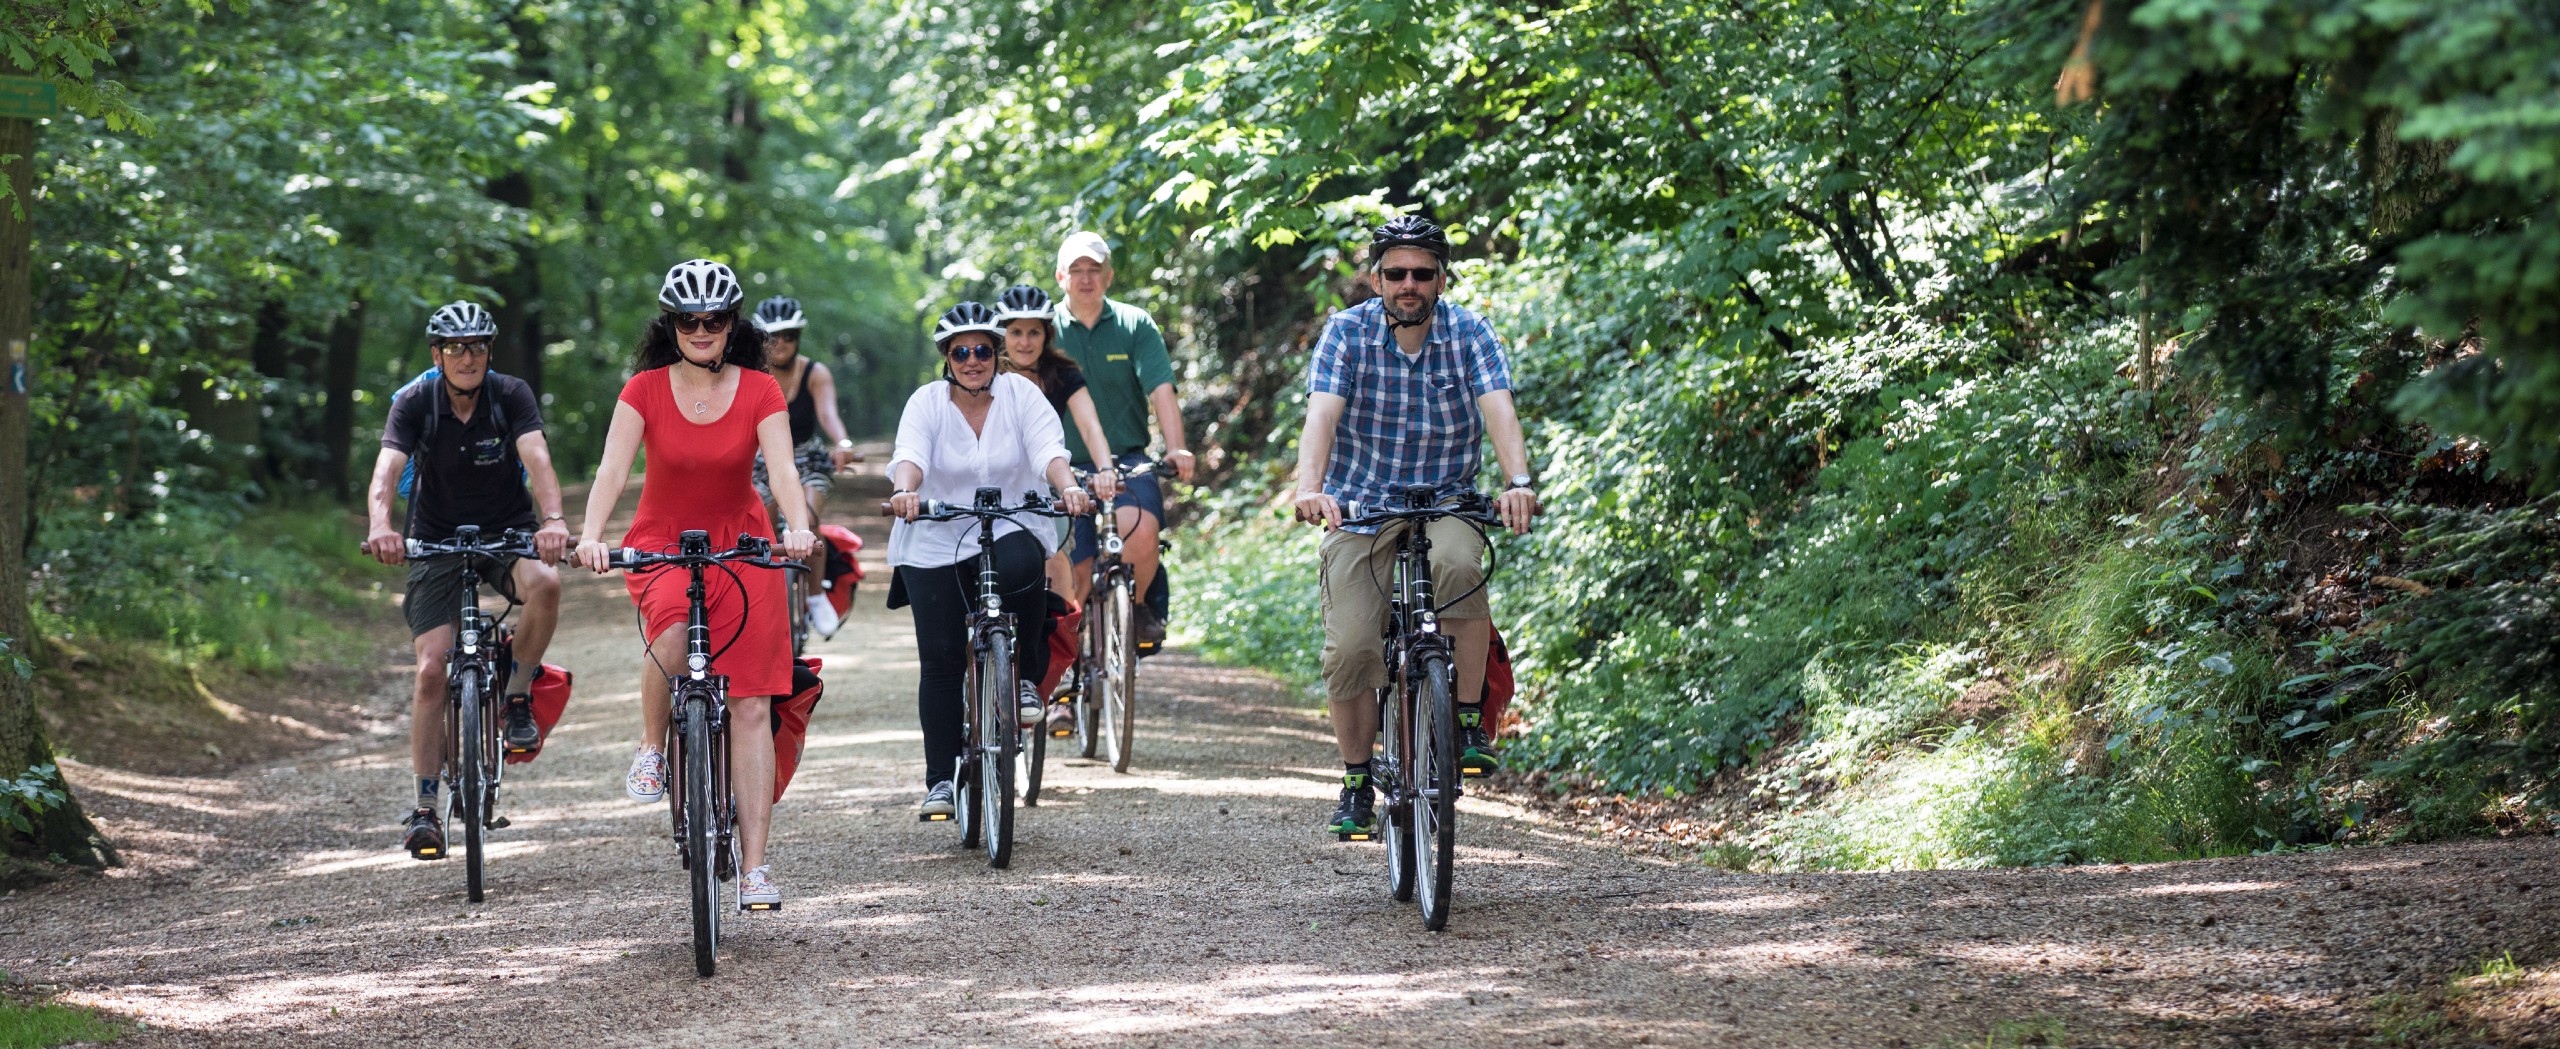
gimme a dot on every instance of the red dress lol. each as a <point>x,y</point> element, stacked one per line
<point>699,476</point>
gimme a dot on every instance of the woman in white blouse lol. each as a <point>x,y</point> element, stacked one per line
<point>973,428</point>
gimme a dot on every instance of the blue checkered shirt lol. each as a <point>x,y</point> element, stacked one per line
<point>1407,422</point>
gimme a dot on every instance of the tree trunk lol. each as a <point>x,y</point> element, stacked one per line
<point>63,831</point>
<point>338,411</point>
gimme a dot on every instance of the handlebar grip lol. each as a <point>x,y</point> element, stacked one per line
<point>1351,510</point>
<point>411,548</point>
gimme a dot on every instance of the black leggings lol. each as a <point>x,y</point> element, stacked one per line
<point>941,599</point>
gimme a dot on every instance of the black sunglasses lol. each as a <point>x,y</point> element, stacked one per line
<point>715,323</point>
<point>972,352</point>
<point>1418,274</point>
<point>473,348</point>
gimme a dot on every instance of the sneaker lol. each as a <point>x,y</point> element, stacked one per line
<point>937,804</point>
<point>1062,720</point>
<point>522,735</point>
<point>756,891</point>
<point>1027,706</point>
<point>424,836</point>
<point>1147,625</point>
<point>647,780</point>
<point>823,620</point>
<point>1475,747</point>
<point>1357,813</point>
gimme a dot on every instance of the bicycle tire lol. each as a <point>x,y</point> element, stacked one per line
<point>471,776</point>
<point>964,774</point>
<point>700,831</point>
<point>1435,805</point>
<point>1395,825</point>
<point>1034,755</point>
<point>1120,660</point>
<point>1089,679</point>
<point>797,611</point>
<point>995,760</point>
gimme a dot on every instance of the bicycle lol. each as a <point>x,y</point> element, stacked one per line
<point>1418,778</point>
<point>1106,671</point>
<point>477,668</point>
<point>704,807</point>
<point>985,779</point>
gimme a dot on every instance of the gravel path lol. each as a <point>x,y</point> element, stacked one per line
<point>1189,902</point>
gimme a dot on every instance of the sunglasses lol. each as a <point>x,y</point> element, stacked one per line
<point>973,352</point>
<point>1418,274</point>
<point>715,323</point>
<point>474,348</point>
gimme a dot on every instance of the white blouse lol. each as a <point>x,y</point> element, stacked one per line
<point>1022,437</point>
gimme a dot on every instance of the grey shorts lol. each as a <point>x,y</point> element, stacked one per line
<point>435,590</point>
<point>817,470</point>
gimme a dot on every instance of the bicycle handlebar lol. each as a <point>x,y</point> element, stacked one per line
<point>937,510</point>
<point>1362,516</point>
<point>753,551</point>
<point>511,543</point>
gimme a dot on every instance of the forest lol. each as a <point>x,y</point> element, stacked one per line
<point>1973,432</point>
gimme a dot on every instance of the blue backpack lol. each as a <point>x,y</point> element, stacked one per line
<point>409,472</point>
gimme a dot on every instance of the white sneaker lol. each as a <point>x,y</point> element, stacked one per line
<point>756,891</point>
<point>647,780</point>
<point>1029,709</point>
<point>823,620</point>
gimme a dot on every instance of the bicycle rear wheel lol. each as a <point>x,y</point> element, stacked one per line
<point>701,832</point>
<point>471,775</point>
<point>1435,777</point>
<point>1032,753</point>
<point>997,696</point>
<point>1089,679</point>
<point>798,611</point>
<point>1120,671</point>
<point>1395,815</point>
<point>964,775</point>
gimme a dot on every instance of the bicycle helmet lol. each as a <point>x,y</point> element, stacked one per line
<point>967,317</point>
<point>779,314</point>
<point>699,286</point>
<point>1408,231</point>
<point>461,320</point>
<point>1023,300</point>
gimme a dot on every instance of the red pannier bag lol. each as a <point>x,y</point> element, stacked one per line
<point>1066,621</point>
<point>550,695</point>
<point>1498,685</point>
<point>844,571</point>
<point>791,721</point>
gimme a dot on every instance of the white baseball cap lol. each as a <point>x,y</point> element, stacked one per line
<point>1083,244</point>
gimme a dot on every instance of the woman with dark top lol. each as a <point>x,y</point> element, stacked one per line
<point>703,406</point>
<point>810,391</point>
<point>974,429</point>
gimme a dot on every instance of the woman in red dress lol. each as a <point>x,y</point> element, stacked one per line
<point>703,406</point>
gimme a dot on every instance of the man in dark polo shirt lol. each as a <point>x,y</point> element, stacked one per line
<point>1128,372</point>
<point>477,438</point>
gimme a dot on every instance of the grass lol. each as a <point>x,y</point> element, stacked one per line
<point>42,1026</point>
<point>259,590</point>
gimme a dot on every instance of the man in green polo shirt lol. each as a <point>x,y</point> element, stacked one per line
<point>1128,372</point>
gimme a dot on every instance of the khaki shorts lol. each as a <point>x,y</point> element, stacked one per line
<point>1359,570</point>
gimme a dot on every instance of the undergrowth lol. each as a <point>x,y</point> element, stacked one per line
<point>257,589</point>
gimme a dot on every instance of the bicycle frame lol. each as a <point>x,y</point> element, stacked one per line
<point>1412,634</point>
<point>697,684</point>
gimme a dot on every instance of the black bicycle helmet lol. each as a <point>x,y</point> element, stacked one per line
<point>1023,300</point>
<point>779,314</point>
<point>461,320</point>
<point>966,317</point>
<point>1408,231</point>
<point>700,286</point>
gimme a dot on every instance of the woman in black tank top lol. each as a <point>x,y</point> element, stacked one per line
<point>819,447</point>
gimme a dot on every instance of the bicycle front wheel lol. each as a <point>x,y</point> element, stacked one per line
<point>797,611</point>
<point>1435,777</point>
<point>1031,754</point>
<point>1120,671</point>
<point>701,832</point>
<point>1089,678</point>
<point>471,776</point>
<point>1000,727</point>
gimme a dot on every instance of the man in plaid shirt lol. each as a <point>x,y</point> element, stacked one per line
<point>1402,391</point>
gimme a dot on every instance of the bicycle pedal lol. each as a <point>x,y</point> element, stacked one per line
<point>426,854</point>
<point>1471,770</point>
<point>933,817</point>
<point>1062,733</point>
<point>1356,836</point>
<point>759,906</point>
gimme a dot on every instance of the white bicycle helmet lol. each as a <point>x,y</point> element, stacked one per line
<point>1023,300</point>
<point>461,320</point>
<point>967,317</point>
<point>779,314</point>
<point>700,286</point>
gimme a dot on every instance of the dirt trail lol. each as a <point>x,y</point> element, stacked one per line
<point>1189,902</point>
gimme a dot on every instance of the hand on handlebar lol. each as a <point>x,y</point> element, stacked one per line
<point>905,505</point>
<point>596,556</point>
<point>551,542</point>
<point>1517,507</point>
<point>1076,501</point>
<point>387,546</point>
<point>797,542</point>
<point>1183,462</point>
<point>1319,509</point>
<point>1105,483</point>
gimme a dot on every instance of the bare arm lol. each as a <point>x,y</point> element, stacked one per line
<point>1511,449</point>
<point>1177,448</point>
<point>551,537</point>
<point>822,389</point>
<point>1315,453</point>
<point>773,437</point>
<point>621,446</point>
<point>1106,477</point>
<point>383,541</point>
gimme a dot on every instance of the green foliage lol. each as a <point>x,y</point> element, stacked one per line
<point>1248,591</point>
<point>46,1026</point>
<point>27,798</point>
<point>261,590</point>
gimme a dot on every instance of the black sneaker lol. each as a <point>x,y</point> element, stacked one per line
<point>1475,748</point>
<point>522,735</point>
<point>425,836</point>
<point>1356,817</point>
<point>1147,626</point>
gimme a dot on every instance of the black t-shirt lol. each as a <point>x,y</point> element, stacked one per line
<point>1059,382</point>
<point>470,473</point>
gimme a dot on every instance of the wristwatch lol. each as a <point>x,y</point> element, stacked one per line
<point>562,518</point>
<point>1524,481</point>
<point>845,443</point>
